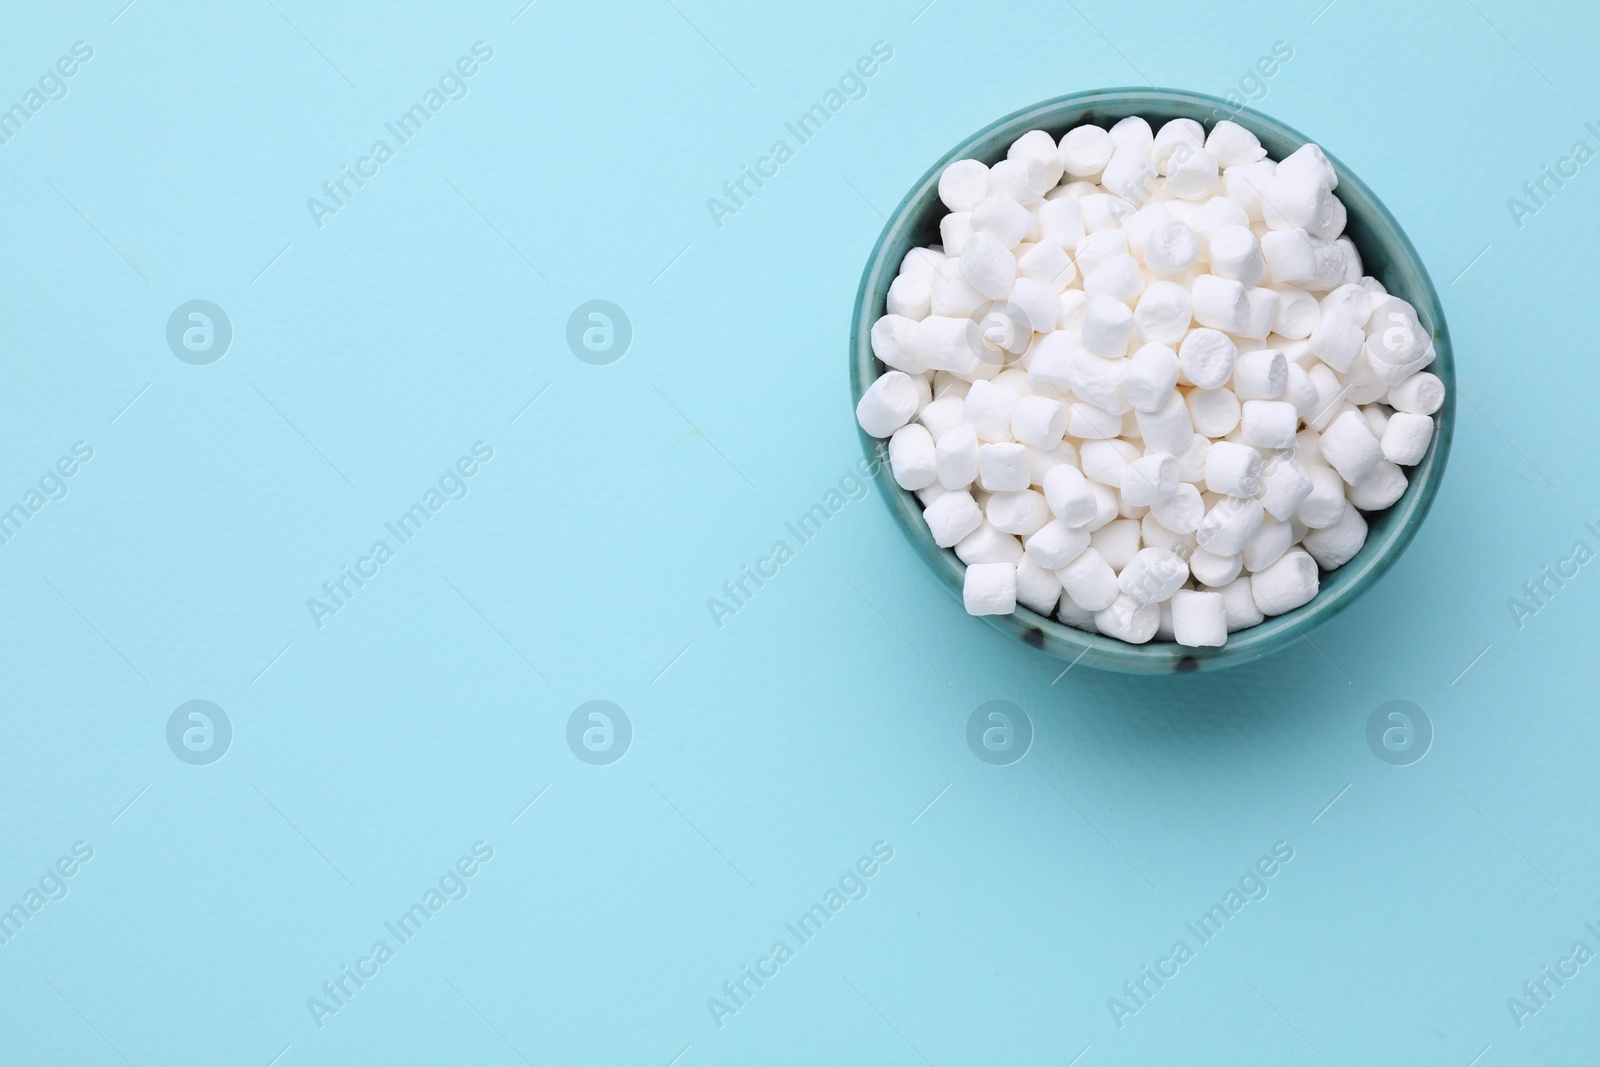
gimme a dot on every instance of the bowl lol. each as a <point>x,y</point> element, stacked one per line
<point>1386,254</point>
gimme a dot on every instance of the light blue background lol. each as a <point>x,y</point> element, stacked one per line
<point>827,714</point>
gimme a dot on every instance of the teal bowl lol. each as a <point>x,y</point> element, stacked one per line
<point>1386,254</point>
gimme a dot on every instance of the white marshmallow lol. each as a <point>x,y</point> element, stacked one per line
<point>1100,248</point>
<point>1299,391</point>
<point>1020,511</point>
<point>1033,307</point>
<point>1023,178</point>
<point>1148,479</point>
<point>910,295</point>
<point>1135,132</point>
<point>1038,421</point>
<point>1118,278</point>
<point>1074,306</point>
<point>1092,423</point>
<point>1349,302</point>
<point>1117,542</point>
<point>1192,175</point>
<point>956,457</point>
<point>1071,614</point>
<point>1071,499</point>
<point>1085,151</point>
<point>1260,375</point>
<point>1041,462</point>
<point>1382,486</point>
<point>952,517</point>
<point>1334,546</point>
<point>911,457</point>
<point>1038,589</point>
<point>1270,542</point>
<point>1182,511</point>
<point>988,408</point>
<point>1269,423</point>
<point>1239,605</point>
<point>1107,325</point>
<point>1286,585</point>
<point>1214,215</point>
<point>1151,376</point>
<point>947,384</point>
<point>1230,523</point>
<point>1152,575</point>
<point>988,266</point>
<point>1215,411</point>
<point>988,545</point>
<point>1192,460</point>
<point>1324,505</point>
<point>1089,581</point>
<point>892,401</point>
<point>1290,202</point>
<point>1138,226</point>
<point>990,589</point>
<point>942,414</point>
<point>1219,303</point>
<point>1244,182</point>
<point>1055,544</point>
<point>1098,381</point>
<point>1207,356</point>
<point>1261,307</point>
<point>1235,253</point>
<point>1163,313</point>
<point>1154,535</point>
<point>1128,620</point>
<point>1337,342</point>
<point>1233,469</point>
<point>1040,146</point>
<point>894,342</point>
<point>1102,211</point>
<point>1298,313</point>
<point>1169,428</point>
<point>1061,221</point>
<point>1171,249</point>
<point>944,342</point>
<point>1199,620</point>
<point>1047,263</point>
<point>1130,174</point>
<point>1177,139</point>
<point>1002,466</point>
<point>1296,258</point>
<point>1003,219</point>
<point>964,184</point>
<point>1285,486</point>
<point>1232,144</point>
<point>1106,461</point>
<point>1349,447</point>
<point>1406,437</point>
<point>1309,161</point>
<point>1213,570</point>
<point>1417,394</point>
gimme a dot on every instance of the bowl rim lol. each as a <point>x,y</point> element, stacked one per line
<point>1401,520</point>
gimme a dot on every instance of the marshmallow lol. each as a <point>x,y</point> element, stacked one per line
<point>1349,447</point>
<point>1138,226</point>
<point>1047,263</point>
<point>1154,535</point>
<point>1151,375</point>
<point>1337,342</point>
<point>1298,313</point>
<point>1100,248</point>
<point>955,230</point>
<point>1067,492</point>
<point>1182,511</point>
<point>1003,219</point>
<point>1106,461</point>
<point>1128,620</point>
<point>1118,278</point>
<point>1061,221</point>
<point>1041,462</point>
<point>911,457</point>
<point>1406,437</point>
<point>1232,144</point>
<point>1215,411</point>
<point>1334,546</point>
<point>1192,175</point>
<point>1417,394</point>
<point>1207,356</point>
<point>1148,479</point>
<point>1002,466</point>
<point>1261,311</point>
<point>1038,421</point>
<point>988,266</point>
<point>1024,179</point>
<point>1382,486</point>
<point>1230,523</point>
<point>1033,307</point>
<point>990,589</point>
<point>943,414</point>
<point>1239,605</point>
<point>1089,581</point>
<point>1130,173</point>
<point>1324,505</point>
<point>1041,146</point>
<point>1235,253</point>
<point>1199,620</point>
<point>1037,587</point>
<point>1074,616</point>
<point>894,342</point>
<point>1055,544</point>
<point>1309,161</point>
<point>910,295</point>
<point>1085,151</point>
<point>1020,511</point>
<point>988,545</point>
<point>1107,325</point>
<point>1218,303</point>
<point>1233,469</point>
<point>1289,202</point>
<point>1285,486</point>
<point>1214,215</point>
<point>1177,139</point>
<point>956,457</point>
<point>1152,575</point>
<point>892,401</point>
<point>1192,460</point>
<point>1106,506</point>
<point>1171,248</point>
<point>1163,313</point>
<point>1349,302</point>
<point>1286,585</point>
<point>1295,257</point>
<point>1049,363</point>
<point>1269,423</point>
<point>1098,381</point>
<point>1102,211</point>
<point>1134,132</point>
<point>1117,542</point>
<point>944,342</point>
<point>1270,542</point>
<point>964,184</point>
<point>1299,391</point>
<point>952,517</point>
<point>1213,570</point>
<point>1260,375</point>
<point>1092,423</point>
<point>988,408</point>
<point>1169,428</point>
<point>947,384</point>
<point>1244,182</point>
<point>1074,306</point>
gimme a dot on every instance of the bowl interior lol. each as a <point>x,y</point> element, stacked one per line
<point>1386,254</point>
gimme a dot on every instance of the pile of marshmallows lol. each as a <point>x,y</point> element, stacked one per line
<point>1143,383</point>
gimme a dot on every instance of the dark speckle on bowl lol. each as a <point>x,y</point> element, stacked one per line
<point>1033,636</point>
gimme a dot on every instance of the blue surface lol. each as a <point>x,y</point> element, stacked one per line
<point>371,754</point>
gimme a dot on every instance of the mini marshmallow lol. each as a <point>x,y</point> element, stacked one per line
<point>1102,211</point>
<point>1117,542</point>
<point>1299,391</point>
<point>1038,421</point>
<point>1192,460</point>
<point>947,384</point>
<point>921,263</point>
<point>1089,581</point>
<point>1038,589</point>
<point>910,295</point>
<point>947,343</point>
<point>1022,178</point>
<point>1138,226</point>
<point>1270,542</point>
<point>1215,411</point>
<point>1337,342</point>
<point>1182,511</point>
<point>1106,461</point>
<point>1286,585</point>
<point>1003,219</point>
<point>1148,479</point>
<point>1055,544</point>
<point>1032,307</point>
<point>1041,146</point>
<point>1235,253</point>
<point>1098,381</point>
<point>1150,376</point>
<point>1163,313</point>
<point>988,545</point>
<point>1219,303</point>
<point>1244,182</point>
<point>1020,511</point>
<point>1230,523</point>
<point>942,414</point>
<point>1309,161</point>
<point>1047,263</point>
<point>955,230</point>
<point>892,401</point>
<point>1261,311</point>
<point>1049,363</point>
<point>1118,278</point>
<point>1130,173</point>
<point>1152,575</point>
<point>1260,375</point>
<point>1418,394</point>
<point>990,589</point>
<point>964,184</point>
<point>1192,175</point>
<point>988,408</point>
<point>1290,202</point>
<point>911,457</point>
<point>1199,620</point>
<point>1092,423</point>
<point>1074,306</point>
<point>1207,356</point>
<point>1349,447</point>
<point>1269,423</point>
<point>951,293</point>
<point>1324,505</point>
<point>1406,437</point>
<point>1154,535</point>
<point>1061,221</point>
<point>1285,486</point>
<point>1349,302</point>
<point>1382,486</point>
<point>1128,620</point>
<point>1074,616</point>
<point>1232,144</point>
<point>1107,325</point>
<point>1002,466</point>
<point>1213,570</point>
<point>1233,469</point>
<point>1085,151</point>
<point>952,517</point>
<point>1296,258</point>
<point>956,457</point>
<point>1177,139</point>
<point>1071,499</point>
<point>988,266</point>
<point>1377,420</point>
<point>1214,215</point>
<point>1334,546</point>
<point>1239,605</point>
<point>1100,248</point>
<point>1171,249</point>
<point>1041,462</point>
<point>1169,428</point>
<point>1298,313</point>
<point>1134,132</point>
